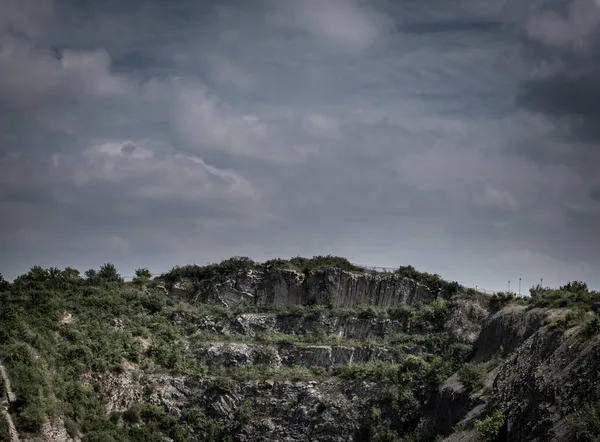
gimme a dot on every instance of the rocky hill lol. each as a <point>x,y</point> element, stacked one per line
<point>295,350</point>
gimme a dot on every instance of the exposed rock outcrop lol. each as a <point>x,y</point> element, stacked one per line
<point>326,286</point>
<point>546,381</point>
<point>226,354</point>
<point>252,324</point>
<point>507,330</point>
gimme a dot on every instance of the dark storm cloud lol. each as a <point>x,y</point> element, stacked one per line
<point>562,47</point>
<point>154,133</point>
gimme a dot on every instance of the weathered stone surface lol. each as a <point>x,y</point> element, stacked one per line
<point>255,324</point>
<point>285,410</point>
<point>227,354</point>
<point>328,286</point>
<point>506,331</point>
<point>465,320</point>
<point>547,379</point>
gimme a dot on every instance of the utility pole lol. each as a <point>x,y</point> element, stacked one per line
<point>519,286</point>
<point>542,282</point>
<point>509,286</point>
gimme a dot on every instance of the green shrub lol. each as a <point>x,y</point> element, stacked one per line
<point>142,276</point>
<point>32,417</point>
<point>592,327</point>
<point>570,318</point>
<point>132,415</point>
<point>499,300</point>
<point>4,429</point>
<point>472,376</point>
<point>574,294</point>
<point>489,428</point>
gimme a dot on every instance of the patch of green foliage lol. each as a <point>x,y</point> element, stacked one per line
<point>570,318</point>
<point>500,300</point>
<point>433,281</point>
<point>574,294</point>
<point>489,428</point>
<point>4,429</point>
<point>309,264</point>
<point>57,326</point>
<point>373,429</point>
<point>472,376</point>
<point>421,317</point>
<point>592,326</point>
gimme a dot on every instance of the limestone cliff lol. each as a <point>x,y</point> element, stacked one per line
<point>329,286</point>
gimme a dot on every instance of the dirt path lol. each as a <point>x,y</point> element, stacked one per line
<point>10,397</point>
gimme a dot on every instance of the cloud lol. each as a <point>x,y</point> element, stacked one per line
<point>349,24</point>
<point>570,30</point>
<point>33,77</point>
<point>562,45</point>
<point>153,134</point>
<point>493,197</point>
<point>28,18</point>
<point>142,172</point>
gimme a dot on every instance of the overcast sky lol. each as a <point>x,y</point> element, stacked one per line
<point>459,136</point>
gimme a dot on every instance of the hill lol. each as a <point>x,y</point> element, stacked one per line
<point>294,350</point>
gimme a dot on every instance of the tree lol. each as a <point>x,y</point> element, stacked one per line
<point>71,273</point>
<point>4,284</point>
<point>578,287</point>
<point>108,272</point>
<point>142,276</point>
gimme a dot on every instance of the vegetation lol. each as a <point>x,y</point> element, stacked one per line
<point>472,376</point>
<point>61,331</point>
<point>205,277</point>
<point>575,294</point>
<point>4,429</point>
<point>500,300</point>
<point>489,428</point>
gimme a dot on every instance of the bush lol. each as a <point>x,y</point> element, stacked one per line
<point>592,327</point>
<point>472,376</point>
<point>499,300</point>
<point>574,294</point>
<point>31,418</point>
<point>4,429</point>
<point>489,428</point>
<point>570,318</point>
<point>142,276</point>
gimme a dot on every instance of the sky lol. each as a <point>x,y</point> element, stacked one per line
<point>458,136</point>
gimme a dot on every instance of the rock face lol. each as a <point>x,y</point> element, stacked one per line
<point>545,382</point>
<point>546,374</point>
<point>465,320</point>
<point>289,411</point>
<point>327,286</point>
<point>225,354</point>
<point>507,330</point>
<point>253,324</point>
